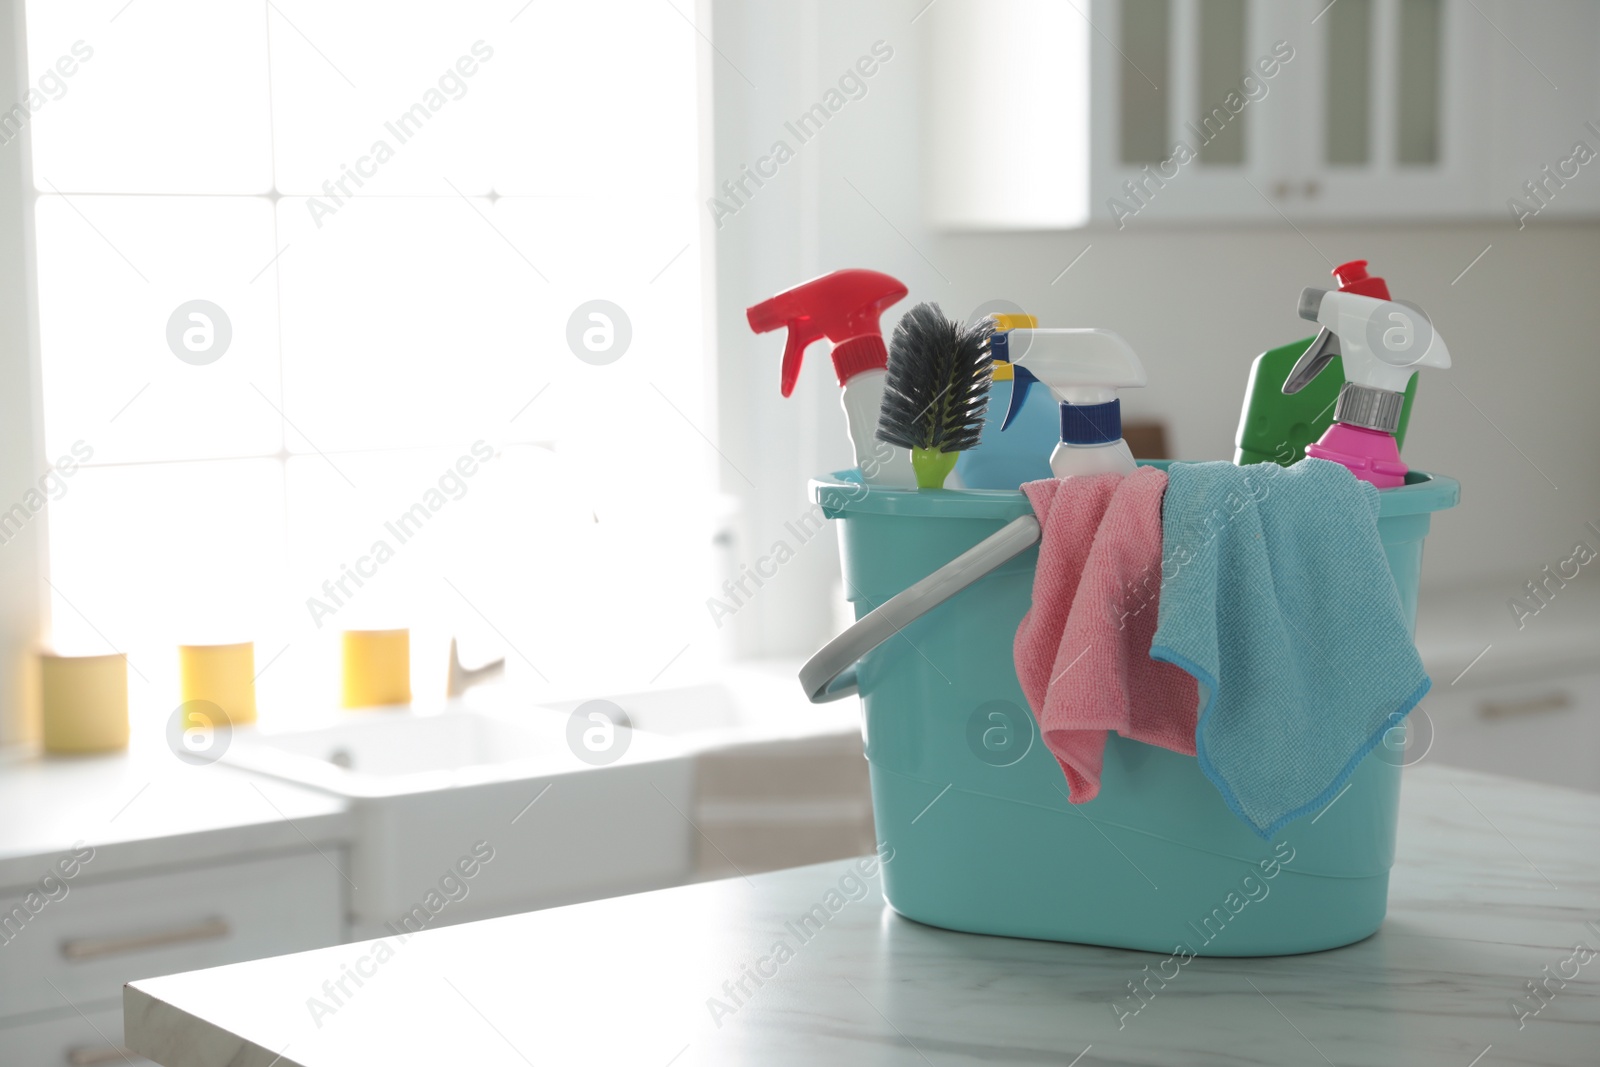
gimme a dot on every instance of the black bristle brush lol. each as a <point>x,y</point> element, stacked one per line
<point>936,390</point>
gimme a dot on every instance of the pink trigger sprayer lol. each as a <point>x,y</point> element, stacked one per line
<point>1382,344</point>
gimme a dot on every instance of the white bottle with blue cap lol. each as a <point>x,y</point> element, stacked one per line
<point>1083,369</point>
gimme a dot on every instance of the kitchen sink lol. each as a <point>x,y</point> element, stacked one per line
<point>431,789</point>
<point>384,752</point>
<point>744,705</point>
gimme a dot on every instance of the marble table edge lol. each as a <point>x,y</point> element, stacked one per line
<point>172,1037</point>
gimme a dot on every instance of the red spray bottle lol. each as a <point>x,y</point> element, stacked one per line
<point>844,307</point>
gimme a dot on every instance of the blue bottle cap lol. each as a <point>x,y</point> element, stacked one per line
<point>1091,424</point>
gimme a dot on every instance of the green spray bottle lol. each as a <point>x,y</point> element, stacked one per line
<point>1278,427</point>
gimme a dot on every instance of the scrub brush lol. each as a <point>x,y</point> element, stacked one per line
<point>936,391</point>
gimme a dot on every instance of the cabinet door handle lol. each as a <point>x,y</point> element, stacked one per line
<point>90,948</point>
<point>1511,709</point>
<point>96,1055</point>
<point>1312,189</point>
<point>1281,190</point>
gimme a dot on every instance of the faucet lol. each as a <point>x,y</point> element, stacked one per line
<point>460,678</point>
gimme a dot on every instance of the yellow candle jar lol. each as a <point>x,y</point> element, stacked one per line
<point>225,675</point>
<point>377,668</point>
<point>85,702</point>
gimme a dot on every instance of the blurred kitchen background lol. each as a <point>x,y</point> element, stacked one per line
<point>542,158</point>
<point>987,135</point>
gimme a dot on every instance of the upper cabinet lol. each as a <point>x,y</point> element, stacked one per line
<point>1138,112</point>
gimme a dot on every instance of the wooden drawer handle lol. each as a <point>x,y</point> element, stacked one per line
<point>96,1055</point>
<point>1511,709</point>
<point>91,948</point>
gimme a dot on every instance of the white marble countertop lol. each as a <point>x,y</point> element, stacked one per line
<point>146,808</point>
<point>1478,909</point>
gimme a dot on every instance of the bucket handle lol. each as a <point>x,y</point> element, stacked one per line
<point>831,673</point>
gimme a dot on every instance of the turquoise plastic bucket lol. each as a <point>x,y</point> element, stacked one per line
<point>972,807</point>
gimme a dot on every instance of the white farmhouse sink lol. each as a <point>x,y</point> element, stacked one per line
<point>385,752</point>
<point>744,705</point>
<point>427,790</point>
<point>704,709</point>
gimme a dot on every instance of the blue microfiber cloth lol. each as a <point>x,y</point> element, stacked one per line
<point>1276,596</point>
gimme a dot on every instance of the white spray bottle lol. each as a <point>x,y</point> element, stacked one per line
<point>1382,344</point>
<point>1083,370</point>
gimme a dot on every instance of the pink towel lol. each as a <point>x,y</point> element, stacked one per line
<point>1083,650</point>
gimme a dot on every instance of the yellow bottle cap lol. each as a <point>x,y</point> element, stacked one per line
<point>1002,371</point>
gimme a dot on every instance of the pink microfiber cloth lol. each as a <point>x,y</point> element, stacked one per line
<point>1083,650</point>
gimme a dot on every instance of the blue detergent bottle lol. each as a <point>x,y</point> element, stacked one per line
<point>1022,453</point>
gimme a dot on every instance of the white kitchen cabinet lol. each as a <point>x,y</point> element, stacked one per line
<point>1142,112</point>
<point>93,1039</point>
<point>1390,104</point>
<point>766,805</point>
<point>102,934</point>
<point>1545,729</point>
<point>1163,74</point>
<point>175,867</point>
<point>1546,101</point>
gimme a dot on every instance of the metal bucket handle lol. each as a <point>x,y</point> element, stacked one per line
<point>831,673</point>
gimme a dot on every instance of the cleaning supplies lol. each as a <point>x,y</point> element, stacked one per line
<point>1278,425</point>
<point>1022,453</point>
<point>844,307</point>
<point>1276,596</point>
<point>1382,344</point>
<point>1083,649</point>
<point>1000,851</point>
<point>1083,370</point>
<point>936,391</point>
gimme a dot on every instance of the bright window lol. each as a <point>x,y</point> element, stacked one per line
<point>303,266</point>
